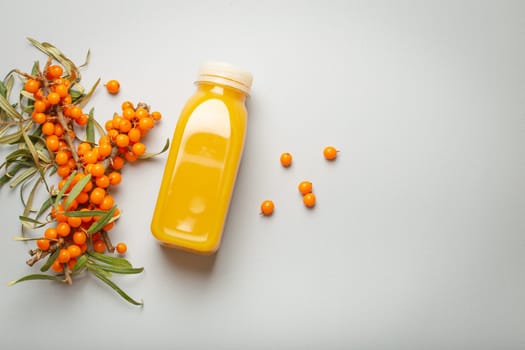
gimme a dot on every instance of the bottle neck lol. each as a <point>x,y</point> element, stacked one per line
<point>221,90</point>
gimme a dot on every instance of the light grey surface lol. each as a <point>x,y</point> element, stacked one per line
<point>418,238</point>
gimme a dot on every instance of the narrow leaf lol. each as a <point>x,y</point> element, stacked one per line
<point>85,213</point>
<point>50,261</point>
<point>83,102</point>
<point>31,198</point>
<point>3,89</point>
<point>31,220</point>
<point>52,51</point>
<point>36,68</point>
<point>31,147</point>
<point>37,276</point>
<point>45,206</point>
<point>86,61</point>
<point>150,155</point>
<point>75,191</point>
<point>120,269</point>
<point>81,262</point>
<point>111,260</point>
<point>98,225</point>
<point>65,187</point>
<point>10,138</point>
<point>23,177</point>
<point>118,290</point>
<point>90,130</point>
<point>9,110</point>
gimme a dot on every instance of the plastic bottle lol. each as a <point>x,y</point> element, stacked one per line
<point>203,160</point>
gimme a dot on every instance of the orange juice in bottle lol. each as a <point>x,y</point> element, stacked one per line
<point>203,160</point>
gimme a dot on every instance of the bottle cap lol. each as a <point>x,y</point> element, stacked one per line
<point>227,74</point>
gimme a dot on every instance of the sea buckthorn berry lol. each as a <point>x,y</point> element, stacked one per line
<point>114,178</point>
<point>82,198</point>
<point>62,144</point>
<point>134,135</point>
<point>97,195</point>
<point>102,181</point>
<point>61,157</point>
<point>127,104</point>
<point>104,150</point>
<point>73,206</point>
<point>67,100</point>
<point>113,86</point>
<point>39,106</point>
<point>305,187</point>
<point>63,256</point>
<point>74,250</point>
<point>63,171</point>
<point>31,85</point>
<point>122,140</point>
<point>309,200</point>
<point>108,125</point>
<point>48,128</point>
<point>146,123</point>
<point>58,213</point>
<point>130,156</point>
<point>62,81</point>
<point>74,221</point>
<point>53,98</point>
<point>54,72</point>
<point>72,262</point>
<point>156,116</point>
<point>107,202</point>
<point>75,112</point>
<point>108,226</point>
<point>97,170</point>
<point>83,148</point>
<point>63,229</point>
<point>39,117</point>
<point>128,113</point>
<point>79,237</point>
<point>99,246</point>
<point>82,120</point>
<point>267,207</point>
<point>330,153</point>
<point>51,233</point>
<point>286,159</point>
<point>113,134</point>
<point>116,121</point>
<point>121,248</point>
<point>52,143</point>
<point>57,266</point>
<point>43,244</point>
<point>103,140</point>
<point>125,126</point>
<point>117,163</point>
<point>61,90</point>
<point>90,157</point>
<point>138,149</point>
<point>83,247</point>
<point>59,130</point>
<point>88,187</point>
<point>141,113</point>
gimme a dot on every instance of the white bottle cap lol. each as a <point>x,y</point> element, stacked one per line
<point>227,74</point>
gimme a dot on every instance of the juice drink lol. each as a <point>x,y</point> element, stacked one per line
<point>202,164</point>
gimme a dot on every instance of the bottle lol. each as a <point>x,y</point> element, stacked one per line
<point>203,160</point>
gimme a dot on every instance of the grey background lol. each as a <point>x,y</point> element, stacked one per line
<point>418,238</point>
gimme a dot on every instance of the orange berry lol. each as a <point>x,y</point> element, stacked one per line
<point>61,90</point>
<point>63,171</point>
<point>267,207</point>
<point>97,170</point>
<point>117,163</point>
<point>104,140</point>
<point>146,123</point>
<point>72,262</point>
<point>82,120</point>
<point>108,125</point>
<point>53,98</point>
<point>75,112</point>
<point>141,113</point>
<point>138,149</point>
<point>63,256</point>
<point>109,226</point>
<point>104,150</point>
<point>43,244</point>
<point>74,250</point>
<point>309,200</point>
<point>83,148</point>
<point>134,135</point>
<point>32,85</point>
<point>39,117</point>
<point>83,247</point>
<point>99,246</point>
<point>286,159</point>
<point>130,157</point>
<point>57,266</point>
<point>97,195</point>
<point>59,130</point>
<point>114,178</point>
<point>122,140</point>
<point>90,157</point>
<point>330,153</point>
<point>127,104</point>
<point>102,181</point>
<point>52,143</point>
<point>63,229</point>
<point>113,134</point>
<point>74,221</point>
<point>61,157</point>
<point>79,237</point>
<point>125,125</point>
<point>121,248</point>
<point>82,198</point>
<point>88,187</point>
<point>305,187</point>
<point>51,233</point>
<point>128,113</point>
<point>39,106</point>
<point>116,121</point>
<point>107,202</point>
<point>54,72</point>
<point>67,100</point>
<point>58,213</point>
<point>156,116</point>
<point>48,128</point>
<point>73,206</point>
<point>113,86</point>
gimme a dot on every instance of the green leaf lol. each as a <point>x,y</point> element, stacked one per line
<point>10,173</point>
<point>50,261</point>
<point>45,206</point>
<point>31,220</point>
<point>81,262</point>
<point>98,225</point>
<point>37,276</point>
<point>85,213</point>
<point>86,61</point>
<point>31,147</point>
<point>10,111</point>
<point>120,269</point>
<point>83,102</point>
<point>3,89</point>
<point>117,289</point>
<point>111,260</point>
<point>150,155</point>
<point>52,51</point>
<point>26,175</point>
<point>36,68</point>
<point>65,187</point>
<point>75,191</point>
<point>90,130</point>
<point>31,198</point>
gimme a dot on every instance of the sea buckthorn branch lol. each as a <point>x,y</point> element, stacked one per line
<point>81,209</point>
